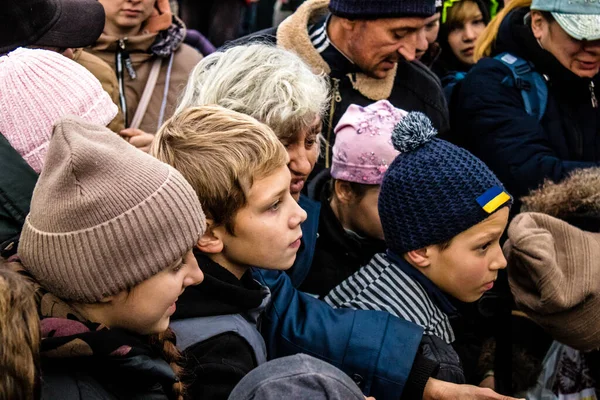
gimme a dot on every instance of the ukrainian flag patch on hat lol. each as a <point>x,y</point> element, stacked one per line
<point>493,199</point>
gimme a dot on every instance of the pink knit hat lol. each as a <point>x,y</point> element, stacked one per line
<point>363,147</point>
<point>37,88</point>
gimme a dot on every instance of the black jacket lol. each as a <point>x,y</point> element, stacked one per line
<point>215,365</point>
<point>411,87</point>
<point>16,188</point>
<point>84,360</point>
<point>489,117</point>
<point>122,379</point>
<point>337,254</point>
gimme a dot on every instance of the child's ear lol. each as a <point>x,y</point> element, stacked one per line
<point>420,258</point>
<point>210,242</point>
<point>343,192</point>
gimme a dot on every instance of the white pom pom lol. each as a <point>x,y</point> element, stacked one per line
<point>412,131</point>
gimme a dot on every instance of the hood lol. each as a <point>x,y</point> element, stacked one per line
<point>161,44</point>
<point>292,34</point>
<point>447,61</point>
<point>575,199</point>
<point>554,277</point>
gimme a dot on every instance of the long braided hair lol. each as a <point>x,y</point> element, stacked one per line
<point>164,343</point>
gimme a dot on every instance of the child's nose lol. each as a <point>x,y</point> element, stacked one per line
<point>499,260</point>
<point>194,277</point>
<point>298,217</point>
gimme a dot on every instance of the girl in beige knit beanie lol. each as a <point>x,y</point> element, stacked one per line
<point>108,244</point>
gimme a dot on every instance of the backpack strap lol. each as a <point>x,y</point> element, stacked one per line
<point>17,182</point>
<point>146,94</point>
<point>531,83</point>
<point>451,82</point>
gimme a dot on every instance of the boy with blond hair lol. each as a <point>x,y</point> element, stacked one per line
<point>238,168</point>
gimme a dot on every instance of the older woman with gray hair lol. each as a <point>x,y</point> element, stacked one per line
<point>376,349</point>
<point>273,86</point>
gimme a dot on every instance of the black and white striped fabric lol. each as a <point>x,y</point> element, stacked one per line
<point>382,285</point>
<point>318,36</point>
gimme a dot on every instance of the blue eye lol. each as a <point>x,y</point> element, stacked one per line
<point>275,206</point>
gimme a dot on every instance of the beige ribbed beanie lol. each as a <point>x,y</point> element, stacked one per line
<point>104,215</point>
<point>554,275</point>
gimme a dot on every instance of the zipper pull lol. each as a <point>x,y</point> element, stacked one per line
<point>127,59</point>
<point>336,90</point>
<point>593,93</point>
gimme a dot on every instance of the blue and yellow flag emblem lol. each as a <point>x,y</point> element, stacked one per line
<point>493,199</point>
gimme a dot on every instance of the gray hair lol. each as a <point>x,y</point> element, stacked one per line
<point>268,83</point>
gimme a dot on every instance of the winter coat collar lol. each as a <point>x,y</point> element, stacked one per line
<point>146,44</point>
<point>220,293</point>
<point>292,35</point>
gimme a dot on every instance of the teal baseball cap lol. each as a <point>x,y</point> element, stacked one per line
<point>579,18</point>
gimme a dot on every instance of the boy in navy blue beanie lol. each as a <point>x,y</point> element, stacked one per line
<point>443,212</point>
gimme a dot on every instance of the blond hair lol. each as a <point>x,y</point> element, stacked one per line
<point>461,12</point>
<point>268,83</point>
<point>19,336</point>
<point>220,152</point>
<point>487,39</point>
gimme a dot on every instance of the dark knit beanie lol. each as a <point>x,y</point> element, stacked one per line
<point>433,190</point>
<point>374,9</point>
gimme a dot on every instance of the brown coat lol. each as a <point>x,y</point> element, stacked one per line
<point>185,59</point>
<point>107,78</point>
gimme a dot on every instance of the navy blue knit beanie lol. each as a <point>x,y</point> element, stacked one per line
<point>374,9</point>
<point>433,190</point>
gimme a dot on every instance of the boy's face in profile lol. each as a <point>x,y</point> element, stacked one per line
<point>267,229</point>
<point>469,266</point>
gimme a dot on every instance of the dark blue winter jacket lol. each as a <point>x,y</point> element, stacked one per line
<point>489,117</point>
<point>374,348</point>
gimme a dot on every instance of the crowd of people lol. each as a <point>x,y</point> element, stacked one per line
<point>392,199</point>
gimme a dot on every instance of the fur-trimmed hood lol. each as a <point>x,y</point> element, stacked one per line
<point>577,197</point>
<point>292,35</point>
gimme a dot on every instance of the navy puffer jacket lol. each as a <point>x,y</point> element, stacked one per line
<point>489,118</point>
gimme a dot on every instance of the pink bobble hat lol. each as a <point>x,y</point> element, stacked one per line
<point>39,87</point>
<point>363,148</point>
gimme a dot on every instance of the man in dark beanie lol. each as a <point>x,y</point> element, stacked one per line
<point>367,47</point>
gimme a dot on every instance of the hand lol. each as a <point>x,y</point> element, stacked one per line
<point>440,390</point>
<point>138,138</point>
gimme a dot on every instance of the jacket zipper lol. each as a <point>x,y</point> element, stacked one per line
<point>123,59</point>
<point>336,97</point>
<point>120,77</point>
<point>593,94</point>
